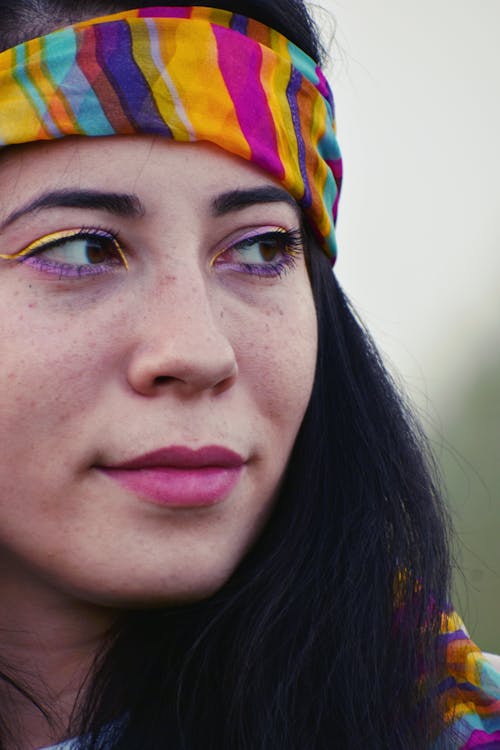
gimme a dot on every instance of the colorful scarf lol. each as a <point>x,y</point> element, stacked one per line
<point>199,74</point>
<point>470,691</point>
<point>190,74</point>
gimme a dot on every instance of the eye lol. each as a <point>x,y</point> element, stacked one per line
<point>73,253</point>
<point>267,253</point>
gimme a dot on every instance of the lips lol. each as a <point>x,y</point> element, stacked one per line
<point>178,476</point>
<point>182,457</point>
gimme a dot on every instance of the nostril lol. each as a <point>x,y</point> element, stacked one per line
<point>163,380</point>
<point>155,368</point>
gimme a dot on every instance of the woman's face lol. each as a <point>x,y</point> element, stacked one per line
<point>146,415</point>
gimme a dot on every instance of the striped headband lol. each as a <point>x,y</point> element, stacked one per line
<point>190,74</point>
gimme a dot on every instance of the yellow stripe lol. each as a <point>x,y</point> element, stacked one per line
<point>197,79</point>
<point>321,172</point>
<point>19,120</point>
<point>213,15</point>
<point>275,74</point>
<point>163,96</point>
<point>123,15</point>
<point>279,44</point>
<point>287,137</point>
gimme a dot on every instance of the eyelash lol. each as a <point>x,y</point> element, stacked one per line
<point>33,254</point>
<point>288,244</point>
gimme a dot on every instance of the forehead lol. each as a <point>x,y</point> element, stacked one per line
<point>106,158</point>
<point>151,167</point>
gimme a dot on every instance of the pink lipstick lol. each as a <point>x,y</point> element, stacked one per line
<point>179,476</point>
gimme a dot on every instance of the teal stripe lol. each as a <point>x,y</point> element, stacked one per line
<point>31,92</point>
<point>490,680</point>
<point>462,729</point>
<point>61,60</point>
<point>328,149</point>
<point>303,62</point>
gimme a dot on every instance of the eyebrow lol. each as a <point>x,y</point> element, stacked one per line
<point>119,204</point>
<point>129,205</point>
<point>237,200</point>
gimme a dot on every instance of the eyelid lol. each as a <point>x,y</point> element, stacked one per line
<point>256,233</point>
<point>67,234</point>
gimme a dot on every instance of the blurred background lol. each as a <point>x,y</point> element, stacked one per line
<point>417,88</point>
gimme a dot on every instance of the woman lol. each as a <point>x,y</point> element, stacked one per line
<point>218,526</point>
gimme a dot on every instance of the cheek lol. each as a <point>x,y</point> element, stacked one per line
<point>276,349</point>
<point>52,369</point>
<point>41,374</point>
<point>63,384</point>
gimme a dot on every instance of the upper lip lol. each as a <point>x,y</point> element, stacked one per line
<point>182,457</point>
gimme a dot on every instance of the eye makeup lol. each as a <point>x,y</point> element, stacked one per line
<point>73,253</point>
<point>268,252</point>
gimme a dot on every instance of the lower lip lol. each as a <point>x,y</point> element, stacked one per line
<point>182,488</point>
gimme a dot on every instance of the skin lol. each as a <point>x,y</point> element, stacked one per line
<point>184,348</point>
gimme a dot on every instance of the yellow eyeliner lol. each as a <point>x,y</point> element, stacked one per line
<point>62,235</point>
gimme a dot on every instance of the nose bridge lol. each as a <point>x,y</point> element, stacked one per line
<point>181,300</point>
<point>181,337</point>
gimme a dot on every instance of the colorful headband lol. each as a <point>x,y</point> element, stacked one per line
<point>190,74</point>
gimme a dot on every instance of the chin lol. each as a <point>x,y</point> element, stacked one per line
<point>145,594</point>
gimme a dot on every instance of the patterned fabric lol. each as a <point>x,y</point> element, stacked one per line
<point>470,690</point>
<point>190,74</point>
<point>199,74</point>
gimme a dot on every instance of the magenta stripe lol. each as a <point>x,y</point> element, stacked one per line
<point>240,61</point>
<point>484,740</point>
<point>165,13</point>
<point>335,166</point>
<point>323,87</point>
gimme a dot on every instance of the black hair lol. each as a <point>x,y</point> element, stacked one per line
<point>321,636</point>
<point>326,634</point>
<point>27,19</point>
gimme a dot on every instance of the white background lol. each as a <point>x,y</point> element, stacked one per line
<point>417,88</point>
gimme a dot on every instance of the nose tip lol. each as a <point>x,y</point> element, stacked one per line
<point>198,374</point>
<point>193,354</point>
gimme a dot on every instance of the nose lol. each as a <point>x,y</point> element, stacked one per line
<point>181,343</point>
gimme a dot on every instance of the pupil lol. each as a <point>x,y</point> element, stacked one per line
<point>96,253</point>
<point>268,252</point>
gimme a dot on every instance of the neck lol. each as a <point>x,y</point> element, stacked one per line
<point>48,644</point>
